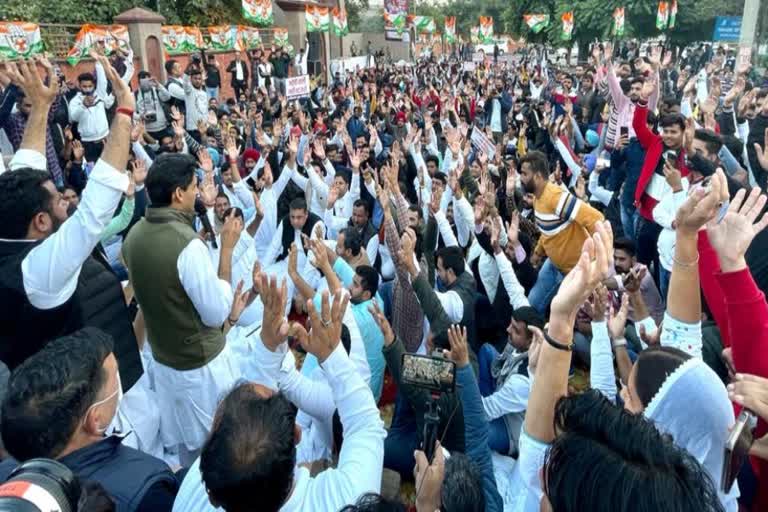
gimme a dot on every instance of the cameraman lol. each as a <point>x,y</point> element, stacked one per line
<point>151,103</point>
<point>59,404</point>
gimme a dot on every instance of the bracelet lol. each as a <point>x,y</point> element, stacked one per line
<point>559,346</point>
<point>125,110</point>
<point>619,342</point>
<point>231,322</point>
<point>685,265</point>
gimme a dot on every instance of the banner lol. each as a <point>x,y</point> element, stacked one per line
<point>258,11</point>
<point>318,19</point>
<point>395,21</point>
<point>340,26</point>
<point>727,28</point>
<point>662,16</point>
<point>618,22</point>
<point>247,38</point>
<point>536,22</point>
<point>294,87</point>
<point>281,37</point>
<point>450,29</point>
<point>474,35</point>
<point>567,32</point>
<point>19,39</point>
<point>111,36</point>
<point>179,39</point>
<point>486,29</point>
<point>422,24</point>
<point>222,37</point>
<point>672,13</point>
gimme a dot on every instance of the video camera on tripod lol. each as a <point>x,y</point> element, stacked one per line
<point>437,375</point>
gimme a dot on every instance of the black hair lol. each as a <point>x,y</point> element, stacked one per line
<point>49,393</point>
<point>22,196</point>
<point>625,244</point>
<point>234,209</point>
<point>441,177</point>
<point>169,172</point>
<point>169,65</point>
<point>144,74</point>
<point>538,163</point>
<point>712,141</point>
<point>352,240</point>
<point>671,120</point>
<point>433,159</point>
<point>371,502</point>
<point>247,463</point>
<point>637,80</point>
<point>345,175</point>
<point>86,77</point>
<point>652,368</point>
<point>602,447</point>
<point>462,487</point>
<point>369,279</point>
<point>452,259</point>
<point>195,71</point>
<point>362,203</point>
<point>298,203</point>
<point>671,101</point>
<point>222,194</point>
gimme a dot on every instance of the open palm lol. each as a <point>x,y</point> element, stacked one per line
<point>732,236</point>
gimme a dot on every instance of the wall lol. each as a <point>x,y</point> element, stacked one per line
<point>397,49</point>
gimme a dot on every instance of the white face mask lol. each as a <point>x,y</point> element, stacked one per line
<point>118,392</point>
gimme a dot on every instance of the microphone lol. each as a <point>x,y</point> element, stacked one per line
<point>202,213</point>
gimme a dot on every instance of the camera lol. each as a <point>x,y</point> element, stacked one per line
<point>40,485</point>
<point>437,375</point>
<point>150,117</point>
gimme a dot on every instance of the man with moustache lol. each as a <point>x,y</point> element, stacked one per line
<point>564,221</point>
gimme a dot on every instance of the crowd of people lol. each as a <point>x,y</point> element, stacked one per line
<point>207,300</point>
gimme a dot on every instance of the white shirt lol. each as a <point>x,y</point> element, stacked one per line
<point>496,115</point>
<point>276,245</point>
<point>239,71</point>
<point>512,397</point>
<point>196,102</point>
<point>50,271</point>
<point>338,218</point>
<point>269,197</point>
<point>240,196</point>
<point>360,461</point>
<point>664,215</point>
<point>92,121</point>
<point>211,296</point>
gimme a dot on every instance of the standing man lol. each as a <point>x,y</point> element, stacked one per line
<point>213,76</point>
<point>52,283</point>
<point>89,110</point>
<point>239,72</point>
<point>185,302</point>
<point>195,100</point>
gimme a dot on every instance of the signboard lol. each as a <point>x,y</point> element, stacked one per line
<point>727,28</point>
<point>294,87</point>
<point>745,57</point>
<point>352,64</point>
<point>469,66</point>
<point>482,143</point>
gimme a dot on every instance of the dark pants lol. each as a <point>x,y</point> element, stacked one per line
<point>402,439</point>
<point>239,88</point>
<point>647,248</point>
<point>93,150</point>
<point>498,437</point>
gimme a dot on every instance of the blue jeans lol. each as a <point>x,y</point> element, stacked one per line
<point>402,440</point>
<point>385,292</point>
<point>213,92</point>
<point>546,286</point>
<point>664,276</point>
<point>498,438</point>
<point>629,218</point>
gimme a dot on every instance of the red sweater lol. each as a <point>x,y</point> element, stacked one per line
<point>741,313</point>
<point>651,186</point>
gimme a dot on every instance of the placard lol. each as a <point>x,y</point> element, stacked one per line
<point>482,143</point>
<point>294,87</point>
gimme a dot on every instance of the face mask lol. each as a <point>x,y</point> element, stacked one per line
<point>118,392</point>
<point>145,84</point>
<point>87,93</point>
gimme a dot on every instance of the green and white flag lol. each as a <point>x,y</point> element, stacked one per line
<point>395,21</point>
<point>340,26</point>
<point>662,16</point>
<point>222,37</point>
<point>318,19</point>
<point>258,11</point>
<point>672,13</point>
<point>618,22</point>
<point>281,37</point>
<point>450,29</point>
<point>20,39</point>
<point>567,32</point>
<point>422,24</point>
<point>536,22</point>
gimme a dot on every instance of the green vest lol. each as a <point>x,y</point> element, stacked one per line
<point>177,335</point>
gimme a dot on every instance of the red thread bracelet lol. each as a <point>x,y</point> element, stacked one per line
<point>125,110</point>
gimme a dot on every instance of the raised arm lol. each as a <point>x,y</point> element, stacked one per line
<point>52,268</point>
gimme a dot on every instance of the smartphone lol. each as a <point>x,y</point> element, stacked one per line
<point>432,373</point>
<point>736,449</point>
<point>671,157</point>
<point>624,131</point>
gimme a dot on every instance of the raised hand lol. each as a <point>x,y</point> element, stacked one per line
<point>751,391</point>
<point>239,303</point>
<point>383,323</point>
<point>459,353</point>
<point>208,190</point>
<point>701,205</point>
<point>513,229</point>
<point>617,321</point>
<point>231,149</point>
<point>593,267</point>
<point>319,150</point>
<point>204,158</point>
<point>78,151</point>
<point>732,236</point>
<point>274,328</point>
<point>24,74</point>
<point>333,195</point>
<point>634,278</point>
<point>138,171</point>
<point>230,231</point>
<point>652,339</point>
<point>325,333</point>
